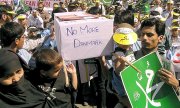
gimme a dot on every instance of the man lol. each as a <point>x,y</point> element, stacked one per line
<point>12,37</point>
<point>169,9</point>
<point>173,53</point>
<point>43,14</point>
<point>22,19</point>
<point>157,6</point>
<point>35,20</point>
<point>100,7</point>
<point>152,31</point>
<point>6,14</point>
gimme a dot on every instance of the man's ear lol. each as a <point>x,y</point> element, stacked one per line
<point>161,38</point>
<point>16,41</point>
<point>4,17</point>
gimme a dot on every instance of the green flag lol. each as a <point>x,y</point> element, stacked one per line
<point>146,90</point>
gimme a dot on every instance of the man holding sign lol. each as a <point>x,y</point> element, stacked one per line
<point>145,89</point>
<point>152,31</point>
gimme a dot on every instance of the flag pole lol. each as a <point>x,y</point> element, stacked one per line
<point>130,64</point>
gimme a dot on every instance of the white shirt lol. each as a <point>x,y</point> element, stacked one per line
<point>35,22</point>
<point>165,14</point>
<point>157,8</point>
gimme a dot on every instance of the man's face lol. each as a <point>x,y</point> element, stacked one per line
<point>22,22</point>
<point>149,38</point>
<point>169,6</point>
<point>20,41</point>
<point>40,7</point>
<point>12,78</point>
<point>175,32</point>
<point>35,14</point>
<point>7,17</point>
<point>157,2</point>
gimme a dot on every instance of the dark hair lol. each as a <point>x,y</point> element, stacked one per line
<point>57,10</point>
<point>47,58</point>
<point>9,32</point>
<point>159,25</point>
<point>154,13</point>
<point>4,9</point>
<point>40,2</point>
<point>94,10</point>
<point>72,6</point>
<point>125,16</point>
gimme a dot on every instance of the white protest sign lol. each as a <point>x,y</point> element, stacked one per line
<point>80,39</point>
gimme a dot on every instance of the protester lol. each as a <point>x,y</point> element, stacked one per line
<point>123,50</point>
<point>12,37</point>
<point>54,78</point>
<point>15,90</point>
<point>172,53</point>
<point>34,20</point>
<point>152,31</point>
<point>43,14</point>
<point>6,14</point>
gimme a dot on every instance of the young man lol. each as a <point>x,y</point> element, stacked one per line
<point>173,52</point>
<point>12,38</point>
<point>6,14</point>
<point>35,20</point>
<point>15,90</point>
<point>152,31</point>
<point>51,78</point>
<point>43,14</point>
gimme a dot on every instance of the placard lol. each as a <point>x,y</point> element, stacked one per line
<point>83,38</point>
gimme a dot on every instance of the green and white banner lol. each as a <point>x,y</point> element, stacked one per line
<point>145,89</point>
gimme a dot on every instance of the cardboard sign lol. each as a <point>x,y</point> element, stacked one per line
<point>146,90</point>
<point>83,38</point>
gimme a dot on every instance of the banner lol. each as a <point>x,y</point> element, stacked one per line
<point>47,3</point>
<point>146,90</point>
<point>83,36</point>
<point>7,1</point>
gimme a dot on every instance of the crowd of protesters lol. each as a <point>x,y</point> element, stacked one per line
<point>34,75</point>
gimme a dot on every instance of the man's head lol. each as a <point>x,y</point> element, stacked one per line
<point>152,33</point>
<point>40,6</point>
<point>6,13</point>
<point>12,35</point>
<point>157,2</point>
<point>55,6</point>
<point>175,28</point>
<point>125,16</point>
<point>72,7</point>
<point>22,19</point>
<point>11,70</point>
<point>35,13</point>
<point>83,6</point>
<point>170,5</point>
<point>49,63</point>
<point>61,4</point>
